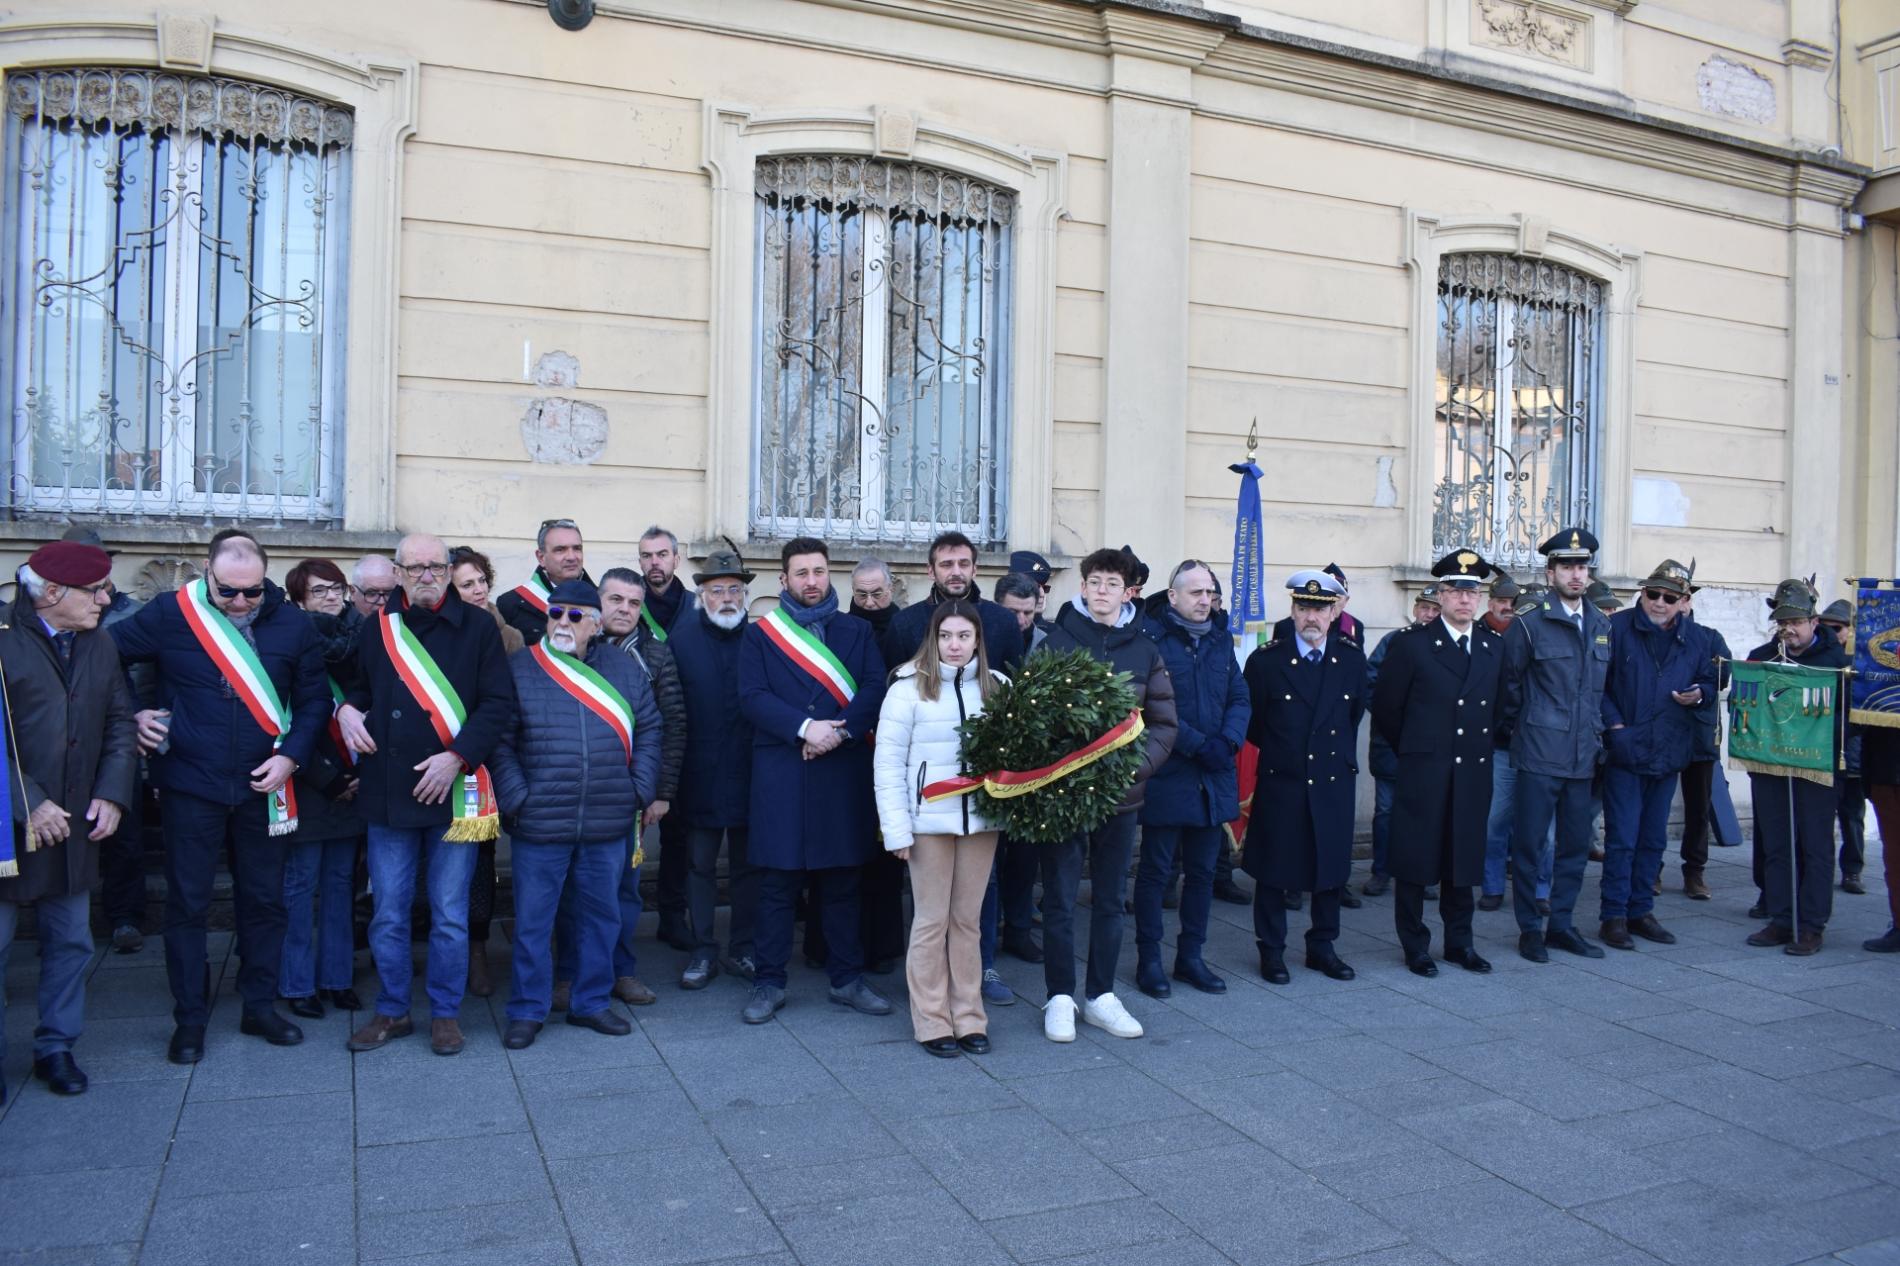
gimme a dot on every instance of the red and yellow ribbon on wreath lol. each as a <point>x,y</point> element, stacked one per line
<point>1004,783</point>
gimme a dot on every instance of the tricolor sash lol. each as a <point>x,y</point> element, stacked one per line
<point>535,592</point>
<point>594,691</point>
<point>1004,783</point>
<point>653,625</point>
<point>809,652</point>
<point>473,813</point>
<point>232,652</point>
<point>336,730</point>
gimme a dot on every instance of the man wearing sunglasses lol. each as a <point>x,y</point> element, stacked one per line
<point>221,772</point>
<point>1661,670</point>
<point>558,555</point>
<point>432,697</point>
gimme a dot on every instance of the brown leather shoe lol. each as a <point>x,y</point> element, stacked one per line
<point>1615,933</point>
<point>445,1037</point>
<point>630,991</point>
<point>479,982</point>
<point>1773,934</point>
<point>1694,888</point>
<point>563,990</point>
<point>380,1032</point>
<point>1808,945</point>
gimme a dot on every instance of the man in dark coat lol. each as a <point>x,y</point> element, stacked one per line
<point>1308,694</point>
<point>716,786</point>
<point>573,772</point>
<point>1556,656</point>
<point>424,790</point>
<point>1436,703</point>
<point>664,599</point>
<point>1700,823</point>
<point>1660,672</point>
<point>623,614</point>
<point>1382,760</point>
<point>220,772</point>
<point>811,682</point>
<point>559,554</point>
<point>1794,818</point>
<point>667,598</point>
<point>72,763</point>
<point>953,575</point>
<point>1196,792</point>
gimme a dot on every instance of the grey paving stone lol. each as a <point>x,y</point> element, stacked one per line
<point>1400,1022</point>
<point>1559,1031</point>
<point>78,1255</point>
<point>1405,1098</point>
<point>1760,1170</point>
<point>690,1207</point>
<point>563,1048</point>
<point>1558,1162</point>
<point>1688,1222</point>
<point>1868,999</point>
<point>239,1067</point>
<point>1088,1228</point>
<point>1301,1121</point>
<point>1192,1050</point>
<point>837,1182</point>
<point>552,1250</point>
<point>1530,1075</point>
<point>1185,1252</point>
<point>128,1049</point>
<point>1465,994</point>
<point>1879,1046</point>
<point>301,1224</point>
<point>1877,1156</point>
<point>1879,1253</point>
<point>1768,1107</point>
<point>1595,995</point>
<point>1257,1208</point>
<point>53,1212</point>
<point>912,1084</point>
<point>1491,1218</point>
<point>926,1227</point>
<point>454,1103</point>
<point>112,1125</point>
<point>1745,1002</point>
<point>233,1145</point>
<point>1847,1218</point>
<point>139,991</point>
<point>746,1066</point>
<point>1641,1055</point>
<point>1352,1063</point>
<point>448,1173</point>
<point>1158,1138</point>
<point>1009,1162</point>
<point>495,1224</point>
<point>797,1134</point>
<point>1665,1122</point>
<point>1099,1098</point>
<point>1742,1045</point>
<point>571,1125</point>
<point>1422,1167</point>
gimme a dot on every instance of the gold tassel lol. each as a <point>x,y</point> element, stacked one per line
<point>473,830</point>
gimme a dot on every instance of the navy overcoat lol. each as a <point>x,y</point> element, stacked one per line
<point>1306,724</point>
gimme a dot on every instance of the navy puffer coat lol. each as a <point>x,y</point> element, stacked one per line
<point>1198,784</point>
<point>561,773</point>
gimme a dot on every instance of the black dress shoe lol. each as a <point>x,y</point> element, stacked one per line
<point>188,1044</point>
<point>1491,901</point>
<point>881,966</point>
<point>1232,893</point>
<point>676,932</point>
<point>609,1022</point>
<point>1759,910</point>
<point>1195,972</point>
<point>270,1026</point>
<point>1421,965</point>
<point>1615,933</point>
<point>1022,943</point>
<point>60,1074</point>
<point>1293,900</point>
<point>1332,965</point>
<point>345,1000</point>
<point>974,1043</point>
<point>1376,886</point>
<point>310,1008</point>
<point>520,1034</point>
<point>1852,884</point>
<point>1273,969</point>
<point>1531,945</point>
<point>942,1047</point>
<point>1650,930</point>
<point>1468,959</point>
<point>1349,899</point>
<point>1571,941</point>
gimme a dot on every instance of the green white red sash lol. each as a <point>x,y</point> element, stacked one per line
<point>806,650</point>
<point>535,592</point>
<point>594,691</point>
<point>238,661</point>
<point>653,625</point>
<point>473,813</point>
<point>336,729</point>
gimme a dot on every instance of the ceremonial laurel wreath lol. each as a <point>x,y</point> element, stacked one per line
<point>1059,742</point>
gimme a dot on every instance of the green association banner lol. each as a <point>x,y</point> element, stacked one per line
<point>1783,720</point>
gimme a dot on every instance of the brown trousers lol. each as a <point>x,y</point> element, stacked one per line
<point>1885,798</point>
<point>949,875</point>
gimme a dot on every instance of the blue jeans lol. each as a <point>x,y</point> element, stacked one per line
<point>395,854</point>
<point>325,869</point>
<point>567,920</point>
<point>1383,791</point>
<point>589,874</point>
<point>1196,846</point>
<point>1497,836</point>
<point>1635,836</point>
<point>65,949</point>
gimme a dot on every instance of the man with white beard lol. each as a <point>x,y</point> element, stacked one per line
<point>715,783</point>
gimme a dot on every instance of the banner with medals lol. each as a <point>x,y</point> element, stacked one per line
<point>1247,588</point>
<point>1783,719</point>
<point>1875,693</point>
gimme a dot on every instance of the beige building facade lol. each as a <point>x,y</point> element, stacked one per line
<point>1032,268</point>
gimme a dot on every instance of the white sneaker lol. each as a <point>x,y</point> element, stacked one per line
<point>1058,1018</point>
<point>1107,1012</point>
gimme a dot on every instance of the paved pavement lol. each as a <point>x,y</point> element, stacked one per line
<point>1704,1103</point>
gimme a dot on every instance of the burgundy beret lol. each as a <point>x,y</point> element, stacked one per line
<point>70,563</point>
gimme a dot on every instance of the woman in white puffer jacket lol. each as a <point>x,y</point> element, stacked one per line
<point>947,843</point>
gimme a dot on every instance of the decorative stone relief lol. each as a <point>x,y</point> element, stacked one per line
<point>162,575</point>
<point>1733,89</point>
<point>1532,29</point>
<point>184,42</point>
<point>557,430</point>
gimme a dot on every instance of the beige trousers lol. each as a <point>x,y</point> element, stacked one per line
<point>944,969</point>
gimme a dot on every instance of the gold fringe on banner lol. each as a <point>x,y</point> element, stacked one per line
<point>1822,776</point>
<point>1864,716</point>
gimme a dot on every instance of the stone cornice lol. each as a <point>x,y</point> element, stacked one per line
<point>1798,52</point>
<point>1160,37</point>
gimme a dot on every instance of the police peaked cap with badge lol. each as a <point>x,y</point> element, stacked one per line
<point>1462,569</point>
<point>1315,589</point>
<point>1672,577</point>
<point>1795,599</point>
<point>1572,545</point>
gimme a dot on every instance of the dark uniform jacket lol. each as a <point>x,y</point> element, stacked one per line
<point>73,741</point>
<point>810,814</point>
<point>1708,713</point>
<point>1305,724</point>
<point>466,646</point>
<point>1198,785</point>
<point>715,790</point>
<point>1657,734</point>
<point>1126,651</point>
<point>1437,707</point>
<point>215,741</point>
<point>656,661</point>
<point>1002,640</point>
<point>523,616</point>
<point>1553,690</point>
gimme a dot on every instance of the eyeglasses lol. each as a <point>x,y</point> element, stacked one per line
<point>320,589</point>
<point>253,592</point>
<point>416,571</point>
<point>1658,595</point>
<point>573,615</point>
<point>724,591</point>
<point>378,596</point>
<point>1105,583</point>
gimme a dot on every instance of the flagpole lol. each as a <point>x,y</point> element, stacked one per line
<point>1794,852</point>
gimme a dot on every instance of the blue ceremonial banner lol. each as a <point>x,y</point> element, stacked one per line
<point>1247,594</point>
<point>1875,696</point>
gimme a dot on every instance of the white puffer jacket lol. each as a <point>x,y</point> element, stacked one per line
<point>917,743</point>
